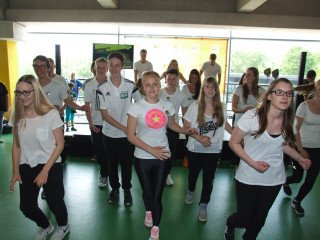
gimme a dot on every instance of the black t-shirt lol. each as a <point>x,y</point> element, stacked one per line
<point>3,93</point>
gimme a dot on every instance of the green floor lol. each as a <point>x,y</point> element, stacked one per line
<point>91,217</point>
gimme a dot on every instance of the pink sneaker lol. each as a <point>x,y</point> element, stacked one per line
<point>148,220</point>
<point>154,233</point>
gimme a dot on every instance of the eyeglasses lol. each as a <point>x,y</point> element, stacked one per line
<point>39,66</point>
<point>24,93</point>
<point>280,92</point>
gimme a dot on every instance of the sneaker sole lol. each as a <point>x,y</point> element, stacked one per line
<point>149,225</point>
<point>102,185</point>
<point>188,202</point>
<point>202,219</point>
<point>295,210</point>
<point>65,233</point>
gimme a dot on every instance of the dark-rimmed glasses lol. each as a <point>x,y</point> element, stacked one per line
<point>280,92</point>
<point>24,93</point>
<point>39,66</point>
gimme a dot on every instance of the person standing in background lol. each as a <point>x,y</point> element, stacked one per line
<point>142,65</point>
<point>55,76</point>
<point>246,96</point>
<point>93,70</point>
<point>37,145</point>
<point>4,105</point>
<point>77,84</point>
<point>173,94</point>
<point>211,68</point>
<point>95,119</point>
<point>69,111</point>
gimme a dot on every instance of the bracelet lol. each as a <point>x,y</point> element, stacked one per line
<point>300,159</point>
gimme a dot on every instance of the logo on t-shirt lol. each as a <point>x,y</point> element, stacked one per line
<point>124,94</point>
<point>210,126</point>
<point>155,119</point>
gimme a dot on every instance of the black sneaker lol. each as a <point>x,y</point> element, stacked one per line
<point>127,200</point>
<point>113,196</point>
<point>43,195</point>
<point>297,207</point>
<point>287,189</point>
<point>229,233</point>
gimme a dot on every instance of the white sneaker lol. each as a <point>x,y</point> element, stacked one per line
<point>61,232</point>
<point>148,222</point>
<point>169,181</point>
<point>190,197</point>
<point>103,182</point>
<point>154,233</point>
<point>203,216</point>
<point>44,232</point>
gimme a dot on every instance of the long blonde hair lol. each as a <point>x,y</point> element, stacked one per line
<point>41,104</point>
<point>217,106</point>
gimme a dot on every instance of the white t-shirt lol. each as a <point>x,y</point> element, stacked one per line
<point>56,92</point>
<point>211,71</point>
<point>37,141</point>
<point>211,130</point>
<point>310,128</point>
<point>264,148</point>
<point>251,101</point>
<point>116,100</point>
<point>188,94</point>
<point>177,99</point>
<point>90,96</point>
<point>152,122</point>
<point>60,79</point>
<point>142,67</point>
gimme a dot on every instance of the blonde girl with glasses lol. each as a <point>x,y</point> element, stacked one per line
<point>37,145</point>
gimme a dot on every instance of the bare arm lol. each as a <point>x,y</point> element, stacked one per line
<point>305,163</point>
<point>303,152</point>
<point>182,78</point>
<point>235,144</point>
<point>158,152</point>
<point>42,177</point>
<point>106,117</point>
<point>16,154</point>
<point>176,128</point>
<point>89,118</point>
<point>204,140</point>
<point>235,108</point>
<point>219,78</point>
<point>228,128</point>
<point>135,75</point>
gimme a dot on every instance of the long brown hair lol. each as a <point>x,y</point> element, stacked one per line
<point>41,104</point>
<point>255,87</point>
<point>288,114</point>
<point>217,106</point>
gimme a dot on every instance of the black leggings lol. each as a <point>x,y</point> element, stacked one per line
<point>152,175</point>
<point>311,175</point>
<point>173,139</point>
<point>253,205</point>
<point>207,162</point>
<point>54,190</point>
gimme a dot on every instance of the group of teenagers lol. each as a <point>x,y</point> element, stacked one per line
<point>145,133</point>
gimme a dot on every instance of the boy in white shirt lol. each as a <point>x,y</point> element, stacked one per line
<point>172,94</point>
<point>115,99</point>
